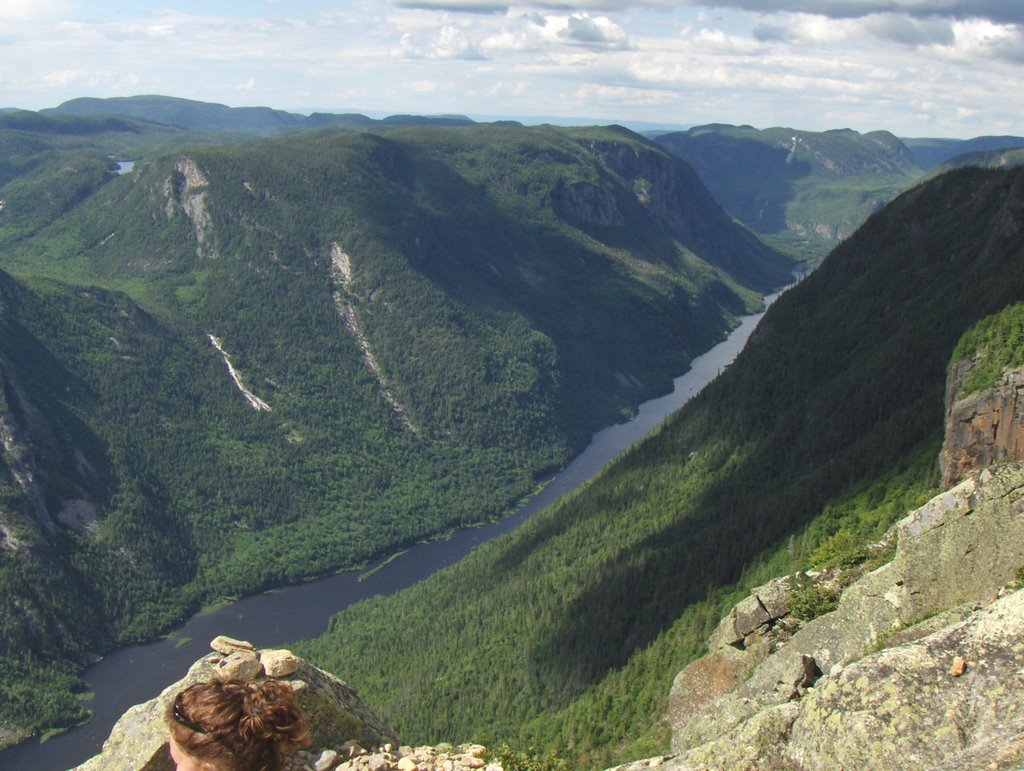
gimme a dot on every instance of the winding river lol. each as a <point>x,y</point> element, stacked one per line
<point>137,673</point>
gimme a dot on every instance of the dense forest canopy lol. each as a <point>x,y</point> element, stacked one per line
<point>248,363</point>
<point>431,318</point>
<point>567,633</point>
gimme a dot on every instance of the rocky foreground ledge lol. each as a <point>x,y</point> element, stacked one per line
<point>347,735</point>
<point>443,757</point>
<point>921,665</point>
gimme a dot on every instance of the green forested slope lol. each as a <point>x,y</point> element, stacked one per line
<point>931,153</point>
<point>802,190</point>
<point>995,344</point>
<point>184,113</point>
<point>64,586</point>
<point>993,159</point>
<point>211,117</point>
<point>435,319</point>
<point>50,163</point>
<point>568,632</point>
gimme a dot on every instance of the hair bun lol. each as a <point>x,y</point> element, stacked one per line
<point>238,724</point>
<point>269,714</point>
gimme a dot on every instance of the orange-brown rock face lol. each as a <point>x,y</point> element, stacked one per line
<point>983,428</point>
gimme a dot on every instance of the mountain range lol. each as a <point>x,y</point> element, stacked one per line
<point>262,121</point>
<point>802,191</point>
<point>251,362</point>
<point>827,428</point>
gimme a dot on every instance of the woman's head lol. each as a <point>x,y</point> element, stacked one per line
<point>235,726</point>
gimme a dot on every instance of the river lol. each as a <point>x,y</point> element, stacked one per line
<point>137,673</point>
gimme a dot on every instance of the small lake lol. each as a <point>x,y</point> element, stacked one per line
<point>137,673</point>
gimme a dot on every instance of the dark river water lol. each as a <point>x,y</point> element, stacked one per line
<point>139,672</point>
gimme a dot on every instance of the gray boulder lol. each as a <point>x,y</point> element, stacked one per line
<point>335,713</point>
<point>872,684</point>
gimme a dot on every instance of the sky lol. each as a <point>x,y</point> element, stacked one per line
<point>936,68</point>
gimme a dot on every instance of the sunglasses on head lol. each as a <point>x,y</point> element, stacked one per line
<point>180,717</point>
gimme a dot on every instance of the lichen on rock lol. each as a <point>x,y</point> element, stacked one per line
<point>336,715</point>
<point>919,665</point>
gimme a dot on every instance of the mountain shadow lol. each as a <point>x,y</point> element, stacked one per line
<point>567,632</point>
<point>841,382</point>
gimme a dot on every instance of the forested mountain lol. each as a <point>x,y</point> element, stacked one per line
<point>119,137</point>
<point>931,153</point>
<point>210,117</point>
<point>567,633</point>
<point>994,159</point>
<point>804,191</point>
<point>185,113</point>
<point>241,366</point>
<point>51,163</point>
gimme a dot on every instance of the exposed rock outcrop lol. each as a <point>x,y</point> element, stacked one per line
<point>636,182</point>
<point>28,449</point>
<point>187,191</point>
<point>346,735</point>
<point>877,683</point>
<point>252,399</point>
<point>982,428</point>
<point>345,299</point>
<point>337,716</point>
<point>21,466</point>
<point>443,757</point>
<point>584,204</point>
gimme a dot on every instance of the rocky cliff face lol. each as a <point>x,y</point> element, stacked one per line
<point>669,192</point>
<point>920,666</point>
<point>16,454</point>
<point>982,428</point>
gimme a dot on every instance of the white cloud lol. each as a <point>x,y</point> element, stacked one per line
<point>36,10</point>
<point>517,33</point>
<point>506,90</point>
<point>161,30</point>
<point>445,42</point>
<point>628,96</point>
<point>978,38</point>
<point>452,43</point>
<point>464,6</point>
<point>942,64</point>
<point>63,78</point>
<point>422,86</point>
<point>719,41</point>
<point>524,38</point>
<point>593,32</point>
<point>952,39</point>
<point>1006,11</point>
<point>962,41</point>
